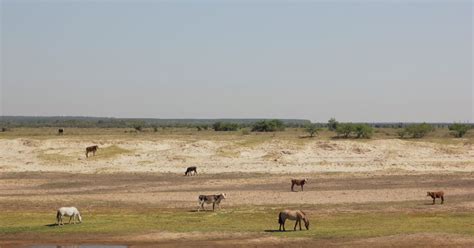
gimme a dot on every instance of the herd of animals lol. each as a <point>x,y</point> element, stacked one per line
<point>295,215</point>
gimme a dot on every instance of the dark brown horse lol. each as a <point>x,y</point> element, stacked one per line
<point>91,149</point>
<point>60,131</point>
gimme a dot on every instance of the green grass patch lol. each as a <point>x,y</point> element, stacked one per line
<point>109,152</point>
<point>248,220</point>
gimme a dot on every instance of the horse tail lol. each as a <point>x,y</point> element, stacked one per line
<point>280,218</point>
<point>58,216</point>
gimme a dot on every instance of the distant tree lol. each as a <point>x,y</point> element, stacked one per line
<point>268,126</point>
<point>312,129</point>
<point>459,130</point>
<point>332,124</point>
<point>363,131</point>
<point>418,130</point>
<point>225,126</point>
<point>344,129</point>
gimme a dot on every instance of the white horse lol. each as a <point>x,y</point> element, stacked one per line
<point>297,215</point>
<point>70,212</point>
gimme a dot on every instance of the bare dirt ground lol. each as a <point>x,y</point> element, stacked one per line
<point>326,194</point>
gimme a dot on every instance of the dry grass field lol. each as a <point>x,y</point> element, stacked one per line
<point>133,192</point>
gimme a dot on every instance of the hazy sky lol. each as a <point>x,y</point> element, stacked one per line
<point>353,60</point>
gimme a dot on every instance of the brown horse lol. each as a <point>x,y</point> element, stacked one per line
<point>60,131</point>
<point>434,195</point>
<point>297,215</point>
<point>91,149</point>
<point>299,182</point>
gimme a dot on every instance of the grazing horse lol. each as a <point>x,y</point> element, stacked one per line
<point>297,215</point>
<point>71,212</point>
<point>91,149</point>
<point>191,171</point>
<point>60,131</point>
<point>298,182</point>
<point>434,195</point>
<point>208,199</point>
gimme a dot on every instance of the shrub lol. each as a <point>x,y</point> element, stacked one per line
<point>312,129</point>
<point>268,126</point>
<point>459,130</point>
<point>225,126</point>
<point>418,130</point>
<point>344,129</point>
<point>332,124</point>
<point>245,131</point>
<point>363,131</point>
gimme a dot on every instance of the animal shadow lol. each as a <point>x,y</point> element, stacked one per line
<point>277,231</point>
<point>51,225</point>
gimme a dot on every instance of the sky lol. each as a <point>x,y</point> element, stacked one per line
<point>374,61</point>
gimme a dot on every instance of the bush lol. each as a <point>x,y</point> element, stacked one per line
<point>245,131</point>
<point>459,130</point>
<point>225,126</point>
<point>418,130</point>
<point>363,131</point>
<point>312,129</point>
<point>332,124</point>
<point>268,126</point>
<point>359,130</point>
<point>344,129</point>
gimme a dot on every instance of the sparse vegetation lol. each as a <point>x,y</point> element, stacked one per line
<point>345,130</point>
<point>416,130</point>
<point>248,220</point>
<point>225,126</point>
<point>268,126</point>
<point>332,124</point>
<point>459,130</point>
<point>312,129</point>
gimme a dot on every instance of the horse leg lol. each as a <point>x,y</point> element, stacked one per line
<point>296,223</point>
<point>442,199</point>
<point>87,154</point>
<point>213,206</point>
<point>302,187</point>
<point>284,225</point>
<point>292,185</point>
<point>300,224</point>
<point>433,200</point>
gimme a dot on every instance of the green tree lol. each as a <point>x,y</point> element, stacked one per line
<point>459,130</point>
<point>312,129</point>
<point>225,126</point>
<point>419,130</point>
<point>363,131</point>
<point>332,124</point>
<point>344,129</point>
<point>268,126</point>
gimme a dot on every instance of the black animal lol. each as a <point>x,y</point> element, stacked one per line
<point>60,131</point>
<point>191,171</point>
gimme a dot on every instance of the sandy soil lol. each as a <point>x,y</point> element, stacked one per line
<point>219,156</point>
